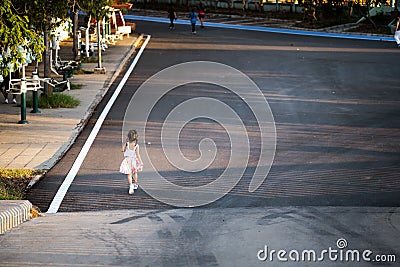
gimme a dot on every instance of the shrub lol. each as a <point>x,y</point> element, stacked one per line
<point>55,100</point>
<point>13,183</point>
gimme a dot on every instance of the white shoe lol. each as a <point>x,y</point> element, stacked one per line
<point>135,186</point>
<point>6,101</point>
<point>131,189</point>
<point>15,101</point>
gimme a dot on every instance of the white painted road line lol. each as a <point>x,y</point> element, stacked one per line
<point>267,29</point>
<point>62,191</point>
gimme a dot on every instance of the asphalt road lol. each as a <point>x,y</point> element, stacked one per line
<point>335,104</point>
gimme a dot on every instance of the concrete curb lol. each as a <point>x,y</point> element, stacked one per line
<point>13,213</point>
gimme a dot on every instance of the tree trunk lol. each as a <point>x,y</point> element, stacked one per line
<point>48,90</point>
<point>99,44</point>
<point>76,49</point>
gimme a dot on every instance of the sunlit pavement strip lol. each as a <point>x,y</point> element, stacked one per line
<point>55,204</point>
<point>205,237</point>
<point>266,29</point>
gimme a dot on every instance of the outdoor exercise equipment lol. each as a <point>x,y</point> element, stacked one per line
<point>21,86</point>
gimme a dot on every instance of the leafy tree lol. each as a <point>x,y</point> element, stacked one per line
<point>26,25</point>
<point>16,38</point>
<point>41,15</point>
<point>97,10</point>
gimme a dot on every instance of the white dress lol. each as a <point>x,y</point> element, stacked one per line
<point>130,163</point>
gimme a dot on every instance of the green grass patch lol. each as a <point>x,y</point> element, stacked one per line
<point>74,86</point>
<point>13,182</point>
<point>55,100</point>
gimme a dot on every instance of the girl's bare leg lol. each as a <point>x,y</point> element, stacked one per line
<point>135,176</point>
<point>131,186</point>
<point>129,178</point>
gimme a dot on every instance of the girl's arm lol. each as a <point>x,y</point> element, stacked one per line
<point>138,155</point>
<point>123,148</point>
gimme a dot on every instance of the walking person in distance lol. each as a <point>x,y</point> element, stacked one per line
<point>193,16</point>
<point>5,86</point>
<point>172,16</point>
<point>202,12</point>
<point>397,30</point>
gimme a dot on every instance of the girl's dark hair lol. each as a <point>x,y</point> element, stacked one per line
<point>132,136</point>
